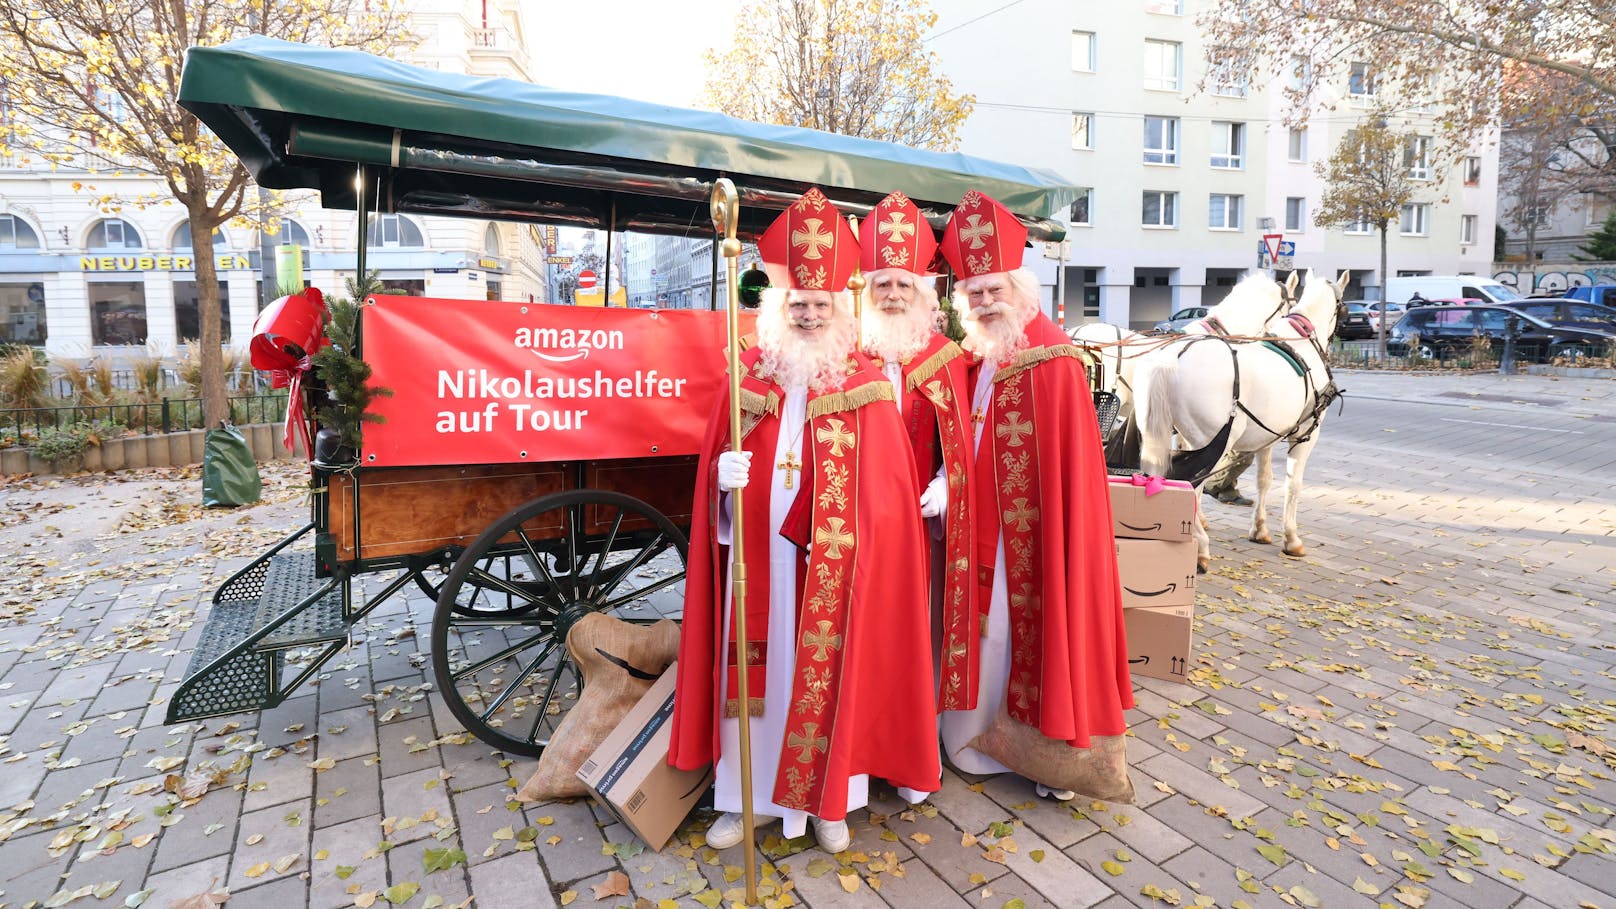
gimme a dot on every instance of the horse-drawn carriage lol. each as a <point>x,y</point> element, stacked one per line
<point>514,544</point>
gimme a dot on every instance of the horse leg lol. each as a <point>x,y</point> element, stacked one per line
<point>1295,464</point>
<point>1265,482</point>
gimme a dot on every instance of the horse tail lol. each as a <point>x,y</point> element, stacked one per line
<point>1153,412</point>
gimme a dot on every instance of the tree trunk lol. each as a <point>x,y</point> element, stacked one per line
<point>215,406</point>
<point>1381,344</point>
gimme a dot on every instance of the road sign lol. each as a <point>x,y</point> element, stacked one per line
<point>587,279</point>
<point>1286,260</point>
<point>1268,250</point>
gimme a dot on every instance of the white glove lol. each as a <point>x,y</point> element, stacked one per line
<point>733,469</point>
<point>934,501</point>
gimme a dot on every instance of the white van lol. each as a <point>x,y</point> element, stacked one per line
<point>1449,287</point>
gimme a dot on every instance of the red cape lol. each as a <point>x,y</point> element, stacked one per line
<point>879,717</point>
<point>1081,668</point>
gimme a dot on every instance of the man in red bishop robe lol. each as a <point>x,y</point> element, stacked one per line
<point>931,389</point>
<point>837,619</point>
<point>1053,650</point>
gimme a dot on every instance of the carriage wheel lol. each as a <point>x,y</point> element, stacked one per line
<point>500,628</point>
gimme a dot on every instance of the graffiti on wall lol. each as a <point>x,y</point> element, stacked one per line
<point>1557,278</point>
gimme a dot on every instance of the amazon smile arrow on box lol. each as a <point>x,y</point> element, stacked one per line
<point>1156,572</point>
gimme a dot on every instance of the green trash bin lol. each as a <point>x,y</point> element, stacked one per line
<point>229,471</point>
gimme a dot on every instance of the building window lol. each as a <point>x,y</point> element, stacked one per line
<point>394,230</point>
<point>1164,65</point>
<point>1083,207</point>
<point>1472,170</point>
<point>188,311</point>
<point>1165,7</point>
<point>491,240</point>
<point>1361,82</point>
<point>22,313</point>
<point>1083,131</point>
<point>1295,214</point>
<point>1225,80</point>
<point>1417,157</point>
<point>16,234</point>
<point>1467,230</point>
<point>115,233</point>
<point>1160,209</point>
<point>1228,144</point>
<point>117,312</point>
<point>1223,211</point>
<point>1083,52</point>
<point>1296,145</point>
<point>182,236</point>
<point>1416,220</point>
<point>1161,140</point>
<point>1360,226</point>
<point>1300,72</point>
<point>1536,213</point>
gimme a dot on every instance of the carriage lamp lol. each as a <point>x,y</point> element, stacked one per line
<point>751,285</point>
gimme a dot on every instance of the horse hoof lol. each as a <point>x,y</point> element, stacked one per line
<point>1296,553</point>
<point>1261,538</point>
<point>1201,565</point>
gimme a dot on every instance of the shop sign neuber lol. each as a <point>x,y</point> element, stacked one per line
<point>496,383</point>
<point>225,262</point>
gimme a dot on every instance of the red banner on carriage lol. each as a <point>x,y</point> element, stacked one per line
<point>479,382</point>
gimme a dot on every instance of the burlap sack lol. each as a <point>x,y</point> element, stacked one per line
<point>1097,772</point>
<point>620,661</point>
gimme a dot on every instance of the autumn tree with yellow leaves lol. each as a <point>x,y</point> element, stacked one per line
<point>94,86</point>
<point>855,67</point>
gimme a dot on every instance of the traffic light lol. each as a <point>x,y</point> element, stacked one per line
<point>752,283</point>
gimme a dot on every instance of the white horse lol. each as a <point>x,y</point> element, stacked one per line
<point>1252,309</point>
<point>1202,388</point>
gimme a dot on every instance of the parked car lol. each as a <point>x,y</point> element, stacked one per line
<point>1356,326</point>
<point>1595,293</point>
<point>1438,332</point>
<point>1394,311</point>
<point>1418,301</point>
<point>1449,287</point>
<point>1178,320</point>
<point>1570,313</point>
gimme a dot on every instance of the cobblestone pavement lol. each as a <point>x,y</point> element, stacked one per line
<point>1418,713</point>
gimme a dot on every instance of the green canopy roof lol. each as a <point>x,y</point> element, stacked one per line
<point>440,143</point>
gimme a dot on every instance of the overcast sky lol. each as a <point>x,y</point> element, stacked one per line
<point>646,49</point>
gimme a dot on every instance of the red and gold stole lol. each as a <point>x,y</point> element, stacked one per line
<point>833,438</point>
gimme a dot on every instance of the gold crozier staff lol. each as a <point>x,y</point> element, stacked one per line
<point>726,212</point>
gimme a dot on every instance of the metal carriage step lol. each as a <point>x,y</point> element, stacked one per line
<point>291,580</point>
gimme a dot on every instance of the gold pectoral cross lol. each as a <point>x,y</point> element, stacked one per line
<point>978,417</point>
<point>790,465</point>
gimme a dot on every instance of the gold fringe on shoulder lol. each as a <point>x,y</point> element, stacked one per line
<point>1030,358</point>
<point>752,402</point>
<point>837,402</point>
<point>929,367</point>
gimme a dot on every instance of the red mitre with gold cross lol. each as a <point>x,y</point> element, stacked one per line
<point>896,235</point>
<point>983,237</point>
<point>809,246</point>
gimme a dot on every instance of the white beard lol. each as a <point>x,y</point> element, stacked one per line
<point>895,337</point>
<point>816,359</point>
<point>999,339</point>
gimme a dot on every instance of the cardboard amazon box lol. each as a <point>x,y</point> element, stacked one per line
<point>1159,641</point>
<point>1169,514</point>
<point>629,773</point>
<point>1156,572</point>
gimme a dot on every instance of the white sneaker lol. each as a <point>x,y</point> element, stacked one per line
<point>727,831</point>
<point>1044,792</point>
<point>833,836</point>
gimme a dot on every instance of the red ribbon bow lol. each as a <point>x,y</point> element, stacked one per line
<point>296,423</point>
<point>1152,484</point>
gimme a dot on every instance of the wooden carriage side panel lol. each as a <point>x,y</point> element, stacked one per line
<point>666,484</point>
<point>415,510</point>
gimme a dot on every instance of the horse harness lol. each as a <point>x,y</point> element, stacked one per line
<point>1321,398</point>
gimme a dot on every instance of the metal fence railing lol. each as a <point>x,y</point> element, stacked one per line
<point>61,386</point>
<point>167,415</point>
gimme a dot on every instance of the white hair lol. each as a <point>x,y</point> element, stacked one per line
<point>1001,338</point>
<point>897,337</point>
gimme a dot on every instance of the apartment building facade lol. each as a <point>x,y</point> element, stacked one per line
<point>1185,175</point>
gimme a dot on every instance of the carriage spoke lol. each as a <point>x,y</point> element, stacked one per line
<point>538,560</point>
<point>509,588</point>
<point>645,591</point>
<point>605,549</point>
<point>549,692</point>
<point>507,653</point>
<point>575,568</point>
<point>516,683</point>
<point>651,550</point>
